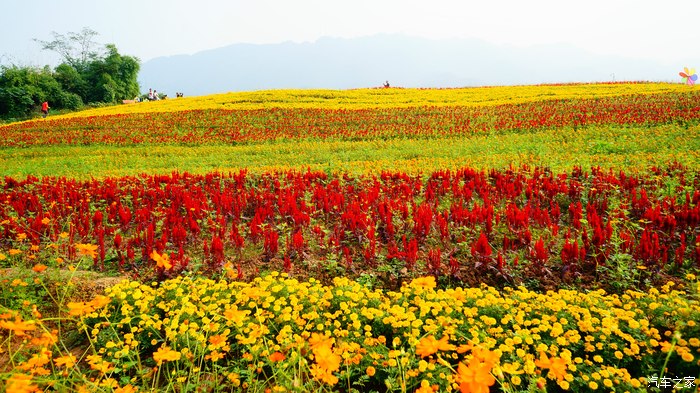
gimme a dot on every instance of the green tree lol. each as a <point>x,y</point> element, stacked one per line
<point>76,49</point>
<point>112,78</point>
<point>22,89</point>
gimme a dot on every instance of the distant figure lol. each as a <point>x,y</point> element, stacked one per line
<point>150,94</point>
<point>386,84</point>
<point>155,95</point>
<point>178,95</point>
<point>45,108</point>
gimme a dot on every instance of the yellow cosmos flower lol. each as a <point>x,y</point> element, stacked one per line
<point>18,327</point>
<point>162,260</point>
<point>430,345</point>
<point>165,354</point>
<point>557,366</point>
<point>67,361</point>
<point>88,250</point>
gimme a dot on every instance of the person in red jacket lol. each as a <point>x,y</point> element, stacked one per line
<point>45,108</point>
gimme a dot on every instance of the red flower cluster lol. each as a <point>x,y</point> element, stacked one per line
<point>451,222</point>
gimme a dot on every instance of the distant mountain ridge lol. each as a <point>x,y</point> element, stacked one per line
<point>340,63</point>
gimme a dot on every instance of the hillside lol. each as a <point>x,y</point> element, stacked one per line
<point>337,63</point>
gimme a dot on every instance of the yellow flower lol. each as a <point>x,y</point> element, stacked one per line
<point>164,353</point>
<point>424,282</point>
<point>425,387</point>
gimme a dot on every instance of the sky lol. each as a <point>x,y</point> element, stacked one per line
<point>663,31</point>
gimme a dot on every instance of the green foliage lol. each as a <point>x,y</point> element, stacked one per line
<point>83,78</point>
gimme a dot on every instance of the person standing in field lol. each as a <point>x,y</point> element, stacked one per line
<point>45,108</point>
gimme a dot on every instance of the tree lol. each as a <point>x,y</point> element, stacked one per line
<point>76,49</point>
<point>23,88</point>
<point>113,78</point>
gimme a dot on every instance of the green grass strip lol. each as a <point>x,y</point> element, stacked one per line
<point>625,148</point>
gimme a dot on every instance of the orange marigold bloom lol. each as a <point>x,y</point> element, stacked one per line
<point>557,366</point>
<point>474,378</point>
<point>18,326</point>
<point>39,268</point>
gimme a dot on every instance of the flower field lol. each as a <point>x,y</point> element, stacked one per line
<point>532,238</point>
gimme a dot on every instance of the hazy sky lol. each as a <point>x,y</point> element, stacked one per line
<point>665,31</point>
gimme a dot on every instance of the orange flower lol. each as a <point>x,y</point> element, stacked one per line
<point>557,366</point>
<point>371,371</point>
<point>277,357</point>
<point>326,358</point>
<point>474,378</point>
<point>65,361</point>
<point>79,308</point>
<point>429,345</point>
<point>126,389</point>
<point>164,353</point>
<point>323,375</point>
<point>18,326</point>
<point>217,341</point>
<point>88,250</point>
<point>162,260</point>
<point>21,383</point>
<point>39,268</point>
<point>236,316</point>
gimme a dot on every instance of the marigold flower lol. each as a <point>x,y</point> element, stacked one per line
<point>370,371</point>
<point>39,268</point>
<point>427,282</point>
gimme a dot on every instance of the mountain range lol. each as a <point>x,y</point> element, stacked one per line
<point>405,61</point>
